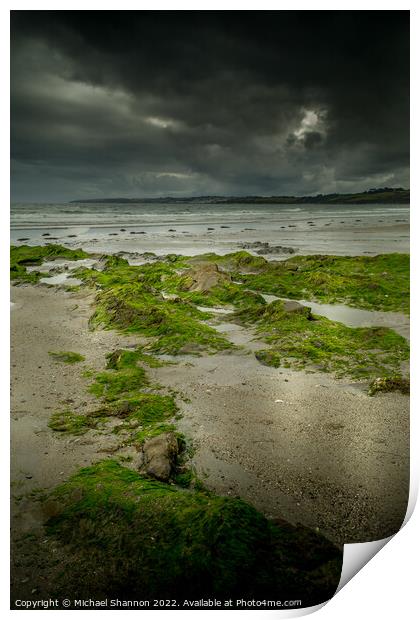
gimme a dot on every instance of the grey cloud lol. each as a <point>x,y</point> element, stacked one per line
<point>150,103</point>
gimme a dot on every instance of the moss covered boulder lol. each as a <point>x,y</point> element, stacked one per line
<point>121,535</point>
<point>204,277</point>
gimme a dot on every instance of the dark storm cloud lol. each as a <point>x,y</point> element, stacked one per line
<point>151,103</point>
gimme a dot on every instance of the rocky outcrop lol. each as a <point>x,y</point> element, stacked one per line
<point>294,307</point>
<point>204,277</point>
<point>263,247</point>
<point>280,308</point>
<point>158,456</point>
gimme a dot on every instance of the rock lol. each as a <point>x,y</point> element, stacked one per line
<point>249,245</point>
<point>295,307</point>
<point>205,276</point>
<point>389,384</point>
<point>58,269</point>
<point>276,249</point>
<point>263,247</point>
<point>124,408</point>
<point>158,456</point>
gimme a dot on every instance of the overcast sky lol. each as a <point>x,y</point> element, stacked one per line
<point>178,103</point>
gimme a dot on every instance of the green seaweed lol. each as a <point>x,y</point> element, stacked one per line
<point>235,261</point>
<point>113,384</point>
<point>143,414</point>
<point>374,282</point>
<point>122,358</point>
<point>226,294</point>
<point>300,339</point>
<point>23,255</point>
<point>67,357</point>
<point>176,326</point>
<point>395,383</point>
<point>138,538</point>
<point>73,423</point>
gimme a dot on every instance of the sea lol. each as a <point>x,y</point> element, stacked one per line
<point>190,227</point>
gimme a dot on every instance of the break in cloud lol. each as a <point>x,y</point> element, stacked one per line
<point>186,103</point>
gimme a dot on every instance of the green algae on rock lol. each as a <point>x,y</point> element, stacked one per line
<point>130,299</point>
<point>373,282</point>
<point>137,538</point>
<point>235,261</point>
<point>395,383</point>
<point>73,423</point>
<point>300,339</point>
<point>23,255</point>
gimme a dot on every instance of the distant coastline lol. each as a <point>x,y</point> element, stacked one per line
<point>383,195</point>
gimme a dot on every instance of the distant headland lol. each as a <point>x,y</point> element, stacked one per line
<point>383,195</point>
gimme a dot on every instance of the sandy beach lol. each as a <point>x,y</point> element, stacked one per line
<point>302,446</point>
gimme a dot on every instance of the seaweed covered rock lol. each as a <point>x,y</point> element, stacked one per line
<point>378,282</point>
<point>389,384</point>
<point>263,247</point>
<point>118,533</point>
<point>204,277</point>
<point>278,310</point>
<point>24,255</point>
<point>294,307</point>
<point>158,456</point>
<point>299,339</point>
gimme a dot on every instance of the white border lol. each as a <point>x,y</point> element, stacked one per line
<point>387,586</point>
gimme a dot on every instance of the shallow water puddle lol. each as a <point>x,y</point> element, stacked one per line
<point>215,310</point>
<point>69,265</point>
<point>65,276</point>
<point>61,278</point>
